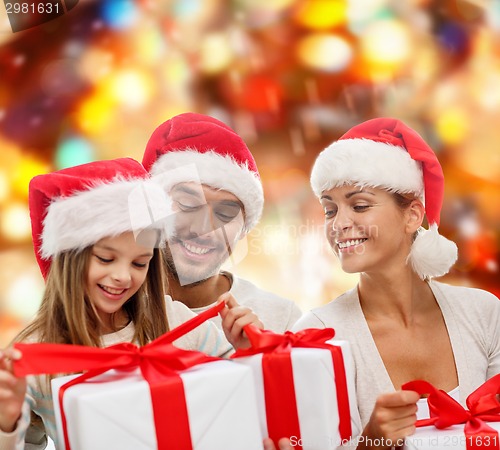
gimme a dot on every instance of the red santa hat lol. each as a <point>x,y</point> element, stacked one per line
<point>217,156</point>
<point>386,153</point>
<point>74,208</point>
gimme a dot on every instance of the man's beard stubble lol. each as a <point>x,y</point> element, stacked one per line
<point>168,261</point>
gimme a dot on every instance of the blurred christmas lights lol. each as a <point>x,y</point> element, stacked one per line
<point>289,75</point>
<point>119,14</point>
<point>15,223</point>
<point>322,14</point>
<point>325,52</point>
<point>72,152</point>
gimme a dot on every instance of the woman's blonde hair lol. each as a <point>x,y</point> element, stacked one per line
<point>67,316</point>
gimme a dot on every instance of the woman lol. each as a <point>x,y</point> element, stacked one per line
<point>376,184</point>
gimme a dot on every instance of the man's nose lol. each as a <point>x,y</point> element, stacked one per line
<point>203,221</point>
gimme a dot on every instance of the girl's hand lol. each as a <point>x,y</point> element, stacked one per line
<point>393,418</point>
<point>234,318</point>
<point>283,444</point>
<point>12,391</point>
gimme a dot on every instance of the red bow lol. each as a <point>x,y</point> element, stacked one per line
<point>281,406</point>
<point>159,362</point>
<point>482,405</point>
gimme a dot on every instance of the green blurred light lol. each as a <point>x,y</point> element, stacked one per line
<point>384,14</point>
<point>72,152</point>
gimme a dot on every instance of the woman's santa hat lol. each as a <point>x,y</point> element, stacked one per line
<point>386,153</point>
<point>73,208</point>
<point>219,157</point>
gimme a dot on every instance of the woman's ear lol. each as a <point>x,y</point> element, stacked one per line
<point>415,216</point>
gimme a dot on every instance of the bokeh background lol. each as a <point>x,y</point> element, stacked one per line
<point>289,76</point>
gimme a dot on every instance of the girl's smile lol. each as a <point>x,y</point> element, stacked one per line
<point>117,269</point>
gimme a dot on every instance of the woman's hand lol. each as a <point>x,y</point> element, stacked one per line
<point>234,318</point>
<point>283,444</point>
<point>12,391</point>
<point>393,418</point>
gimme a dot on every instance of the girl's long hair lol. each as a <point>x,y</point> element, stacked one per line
<point>67,316</point>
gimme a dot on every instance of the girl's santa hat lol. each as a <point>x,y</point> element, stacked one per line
<point>218,155</point>
<point>387,154</point>
<point>73,208</point>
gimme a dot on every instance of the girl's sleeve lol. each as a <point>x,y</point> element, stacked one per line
<point>36,435</point>
<point>206,338</point>
<point>212,341</point>
<point>15,439</point>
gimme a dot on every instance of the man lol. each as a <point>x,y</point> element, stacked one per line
<point>217,194</point>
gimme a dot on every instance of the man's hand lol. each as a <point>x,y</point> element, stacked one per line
<point>234,318</point>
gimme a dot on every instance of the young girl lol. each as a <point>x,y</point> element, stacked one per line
<point>373,184</point>
<point>96,246</point>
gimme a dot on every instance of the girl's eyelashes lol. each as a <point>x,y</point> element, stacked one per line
<point>103,260</point>
<point>141,265</point>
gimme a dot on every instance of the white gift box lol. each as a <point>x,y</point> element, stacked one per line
<point>117,414</point>
<point>316,395</point>
<point>452,438</point>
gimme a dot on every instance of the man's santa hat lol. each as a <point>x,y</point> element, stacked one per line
<point>219,156</point>
<point>386,153</point>
<point>73,208</point>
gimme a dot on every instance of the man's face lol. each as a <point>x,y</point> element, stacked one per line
<point>208,224</point>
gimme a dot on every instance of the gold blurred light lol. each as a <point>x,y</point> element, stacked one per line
<point>487,89</point>
<point>175,70</point>
<point>425,65</point>
<point>15,222</point>
<point>268,5</point>
<point>25,170</point>
<point>385,46</point>
<point>480,156</point>
<point>322,14</point>
<point>148,44</point>
<point>452,126</point>
<point>24,294</point>
<point>96,112</point>
<point>131,88</point>
<point>215,53</point>
<point>95,64</point>
<point>173,109</point>
<point>324,51</point>
<point>4,186</point>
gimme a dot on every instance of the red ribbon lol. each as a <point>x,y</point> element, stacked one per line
<point>483,406</point>
<point>279,391</point>
<point>159,362</point>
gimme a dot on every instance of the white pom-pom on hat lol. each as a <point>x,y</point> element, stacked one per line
<point>431,254</point>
